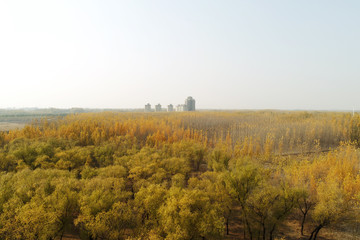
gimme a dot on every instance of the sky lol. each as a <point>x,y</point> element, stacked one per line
<point>240,54</point>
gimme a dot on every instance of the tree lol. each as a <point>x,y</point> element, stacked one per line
<point>190,214</point>
<point>243,178</point>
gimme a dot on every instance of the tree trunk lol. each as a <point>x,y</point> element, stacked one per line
<point>315,231</point>
<point>272,232</point>
<point>318,230</point>
<point>227,226</point>
<point>246,224</point>
<point>264,231</point>
<point>249,229</point>
<point>303,223</point>
<point>304,212</point>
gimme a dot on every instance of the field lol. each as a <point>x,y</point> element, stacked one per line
<point>17,118</point>
<point>190,175</point>
<point>6,126</point>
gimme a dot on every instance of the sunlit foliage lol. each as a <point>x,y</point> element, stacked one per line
<point>180,175</point>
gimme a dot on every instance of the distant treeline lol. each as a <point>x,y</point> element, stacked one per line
<point>27,115</point>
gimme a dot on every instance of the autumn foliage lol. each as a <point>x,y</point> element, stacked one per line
<point>180,175</point>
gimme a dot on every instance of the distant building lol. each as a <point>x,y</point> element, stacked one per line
<point>190,104</point>
<point>170,108</point>
<point>181,108</point>
<point>158,108</point>
<point>148,107</point>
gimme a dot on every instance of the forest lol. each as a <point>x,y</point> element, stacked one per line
<point>191,175</point>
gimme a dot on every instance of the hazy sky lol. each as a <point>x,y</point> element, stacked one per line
<point>241,54</point>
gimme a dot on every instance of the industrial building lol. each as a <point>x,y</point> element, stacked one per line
<point>188,106</point>
<point>158,108</point>
<point>181,108</point>
<point>170,108</point>
<point>148,107</point>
